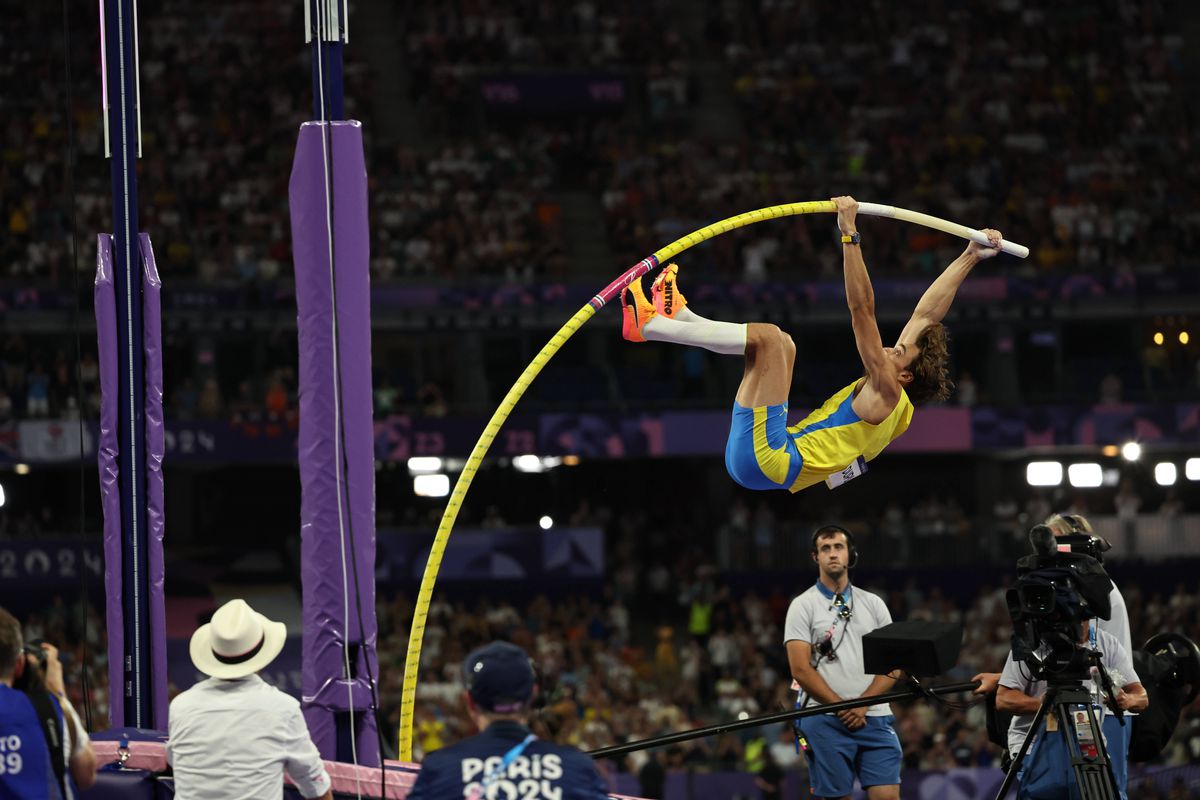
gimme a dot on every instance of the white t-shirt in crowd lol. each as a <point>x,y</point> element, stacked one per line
<point>812,616</point>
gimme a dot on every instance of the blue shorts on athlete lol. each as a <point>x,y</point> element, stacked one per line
<point>838,754</point>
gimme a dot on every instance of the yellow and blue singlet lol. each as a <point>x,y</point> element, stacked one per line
<point>764,452</point>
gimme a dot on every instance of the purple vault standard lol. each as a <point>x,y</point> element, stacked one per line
<point>328,198</point>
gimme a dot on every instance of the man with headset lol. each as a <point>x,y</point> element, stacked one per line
<point>505,759</point>
<point>823,636</point>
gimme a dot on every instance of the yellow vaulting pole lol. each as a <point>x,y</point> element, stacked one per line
<point>416,635</point>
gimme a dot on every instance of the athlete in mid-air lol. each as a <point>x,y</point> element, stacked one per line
<point>853,426</point>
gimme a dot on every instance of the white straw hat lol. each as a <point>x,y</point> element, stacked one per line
<point>238,642</point>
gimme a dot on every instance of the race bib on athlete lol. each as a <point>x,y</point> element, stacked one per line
<point>856,468</point>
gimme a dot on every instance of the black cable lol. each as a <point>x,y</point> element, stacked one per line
<point>70,201</point>
<point>345,465</point>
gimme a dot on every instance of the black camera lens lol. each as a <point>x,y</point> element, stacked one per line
<point>1036,599</point>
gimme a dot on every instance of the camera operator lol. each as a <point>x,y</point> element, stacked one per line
<point>1116,625</point>
<point>44,749</point>
<point>1047,765</point>
<point>1118,622</point>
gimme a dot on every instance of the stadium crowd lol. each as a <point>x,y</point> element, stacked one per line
<point>483,206</point>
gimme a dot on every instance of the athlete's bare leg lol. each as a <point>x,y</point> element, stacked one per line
<point>770,356</point>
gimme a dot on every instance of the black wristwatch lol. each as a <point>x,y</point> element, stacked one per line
<point>850,238</point>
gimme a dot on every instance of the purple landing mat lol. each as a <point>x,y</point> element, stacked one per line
<point>337,506</point>
<point>152,365</point>
<point>107,457</point>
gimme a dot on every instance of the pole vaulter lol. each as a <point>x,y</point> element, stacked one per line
<point>606,295</point>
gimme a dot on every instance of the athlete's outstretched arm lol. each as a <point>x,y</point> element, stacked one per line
<point>860,295</point>
<point>936,301</point>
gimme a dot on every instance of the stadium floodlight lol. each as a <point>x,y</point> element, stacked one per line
<point>1044,473</point>
<point>424,465</point>
<point>1191,468</point>
<point>528,463</point>
<point>1165,473</point>
<point>531,463</point>
<point>436,485</point>
<point>1085,476</point>
<point>546,522</point>
<point>1131,451</point>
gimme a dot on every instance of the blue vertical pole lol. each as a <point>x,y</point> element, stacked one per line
<point>122,136</point>
<point>327,33</point>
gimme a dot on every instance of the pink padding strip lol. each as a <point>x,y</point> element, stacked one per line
<point>401,775</point>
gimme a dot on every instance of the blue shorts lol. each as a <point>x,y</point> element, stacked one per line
<point>769,460</point>
<point>839,754</point>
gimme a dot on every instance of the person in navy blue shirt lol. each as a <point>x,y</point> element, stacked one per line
<point>505,759</point>
<point>26,766</point>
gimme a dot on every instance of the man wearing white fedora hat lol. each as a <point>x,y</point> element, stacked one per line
<point>234,735</point>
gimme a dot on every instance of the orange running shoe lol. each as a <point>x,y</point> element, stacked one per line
<point>668,300</point>
<point>635,312</point>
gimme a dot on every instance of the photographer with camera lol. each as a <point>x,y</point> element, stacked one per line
<point>1047,768</point>
<point>1065,673</point>
<point>823,635</point>
<point>1074,532</point>
<point>1078,531</point>
<point>44,750</point>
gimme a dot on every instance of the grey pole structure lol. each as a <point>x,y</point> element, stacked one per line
<point>131,437</point>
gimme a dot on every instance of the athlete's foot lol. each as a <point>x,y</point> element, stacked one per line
<point>635,312</point>
<point>668,299</point>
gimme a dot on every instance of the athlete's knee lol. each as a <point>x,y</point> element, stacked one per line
<point>764,337</point>
<point>789,346</point>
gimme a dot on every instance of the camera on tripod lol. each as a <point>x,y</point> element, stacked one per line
<point>1058,588</point>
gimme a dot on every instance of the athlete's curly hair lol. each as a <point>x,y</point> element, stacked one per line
<point>931,379</point>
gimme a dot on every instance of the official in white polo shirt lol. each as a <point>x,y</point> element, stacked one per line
<point>233,736</point>
<point>823,636</point>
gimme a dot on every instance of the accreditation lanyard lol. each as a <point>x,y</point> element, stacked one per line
<point>843,611</point>
<point>494,774</point>
<point>1097,691</point>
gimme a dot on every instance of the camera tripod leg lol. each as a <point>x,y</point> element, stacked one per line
<point>1015,766</point>
<point>1093,774</point>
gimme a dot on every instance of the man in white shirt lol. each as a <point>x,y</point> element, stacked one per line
<point>1021,695</point>
<point>233,736</point>
<point>823,635</point>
